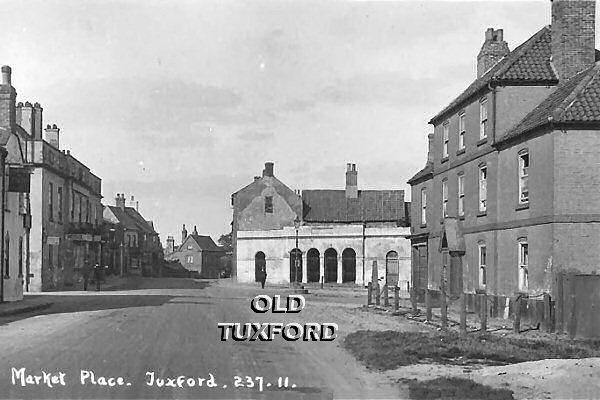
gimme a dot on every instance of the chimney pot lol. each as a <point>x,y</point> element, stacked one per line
<point>20,104</point>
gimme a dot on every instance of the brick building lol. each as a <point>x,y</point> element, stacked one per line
<point>508,196</point>
<point>198,254</point>
<point>340,233</point>
<point>15,218</point>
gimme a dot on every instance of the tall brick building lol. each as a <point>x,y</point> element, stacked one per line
<point>509,194</point>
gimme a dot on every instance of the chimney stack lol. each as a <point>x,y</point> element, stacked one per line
<point>7,100</point>
<point>183,234</point>
<point>493,49</point>
<point>351,181</point>
<point>120,201</point>
<point>268,171</point>
<point>430,148</point>
<point>52,134</point>
<point>37,126</point>
<point>170,245</point>
<point>195,231</point>
<point>573,36</point>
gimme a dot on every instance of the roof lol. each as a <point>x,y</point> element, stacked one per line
<point>370,206</point>
<point>131,219</point>
<point>574,101</point>
<point>421,174</point>
<point>205,242</point>
<point>530,63</point>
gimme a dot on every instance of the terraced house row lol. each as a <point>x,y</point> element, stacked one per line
<point>509,194</point>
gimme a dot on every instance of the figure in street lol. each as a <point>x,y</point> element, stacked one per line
<point>98,275</point>
<point>263,276</point>
<point>86,274</point>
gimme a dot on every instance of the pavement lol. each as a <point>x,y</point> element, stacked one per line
<point>168,328</point>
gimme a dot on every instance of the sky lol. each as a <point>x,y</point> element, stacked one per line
<point>180,103</point>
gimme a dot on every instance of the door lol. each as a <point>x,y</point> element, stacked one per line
<point>259,262</point>
<point>391,269</point>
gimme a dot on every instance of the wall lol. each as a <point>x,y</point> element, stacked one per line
<point>35,245</point>
<point>513,103</point>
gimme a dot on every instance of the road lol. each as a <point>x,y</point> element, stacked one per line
<point>168,327</point>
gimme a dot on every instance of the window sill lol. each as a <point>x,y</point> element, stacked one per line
<point>461,152</point>
<point>482,213</point>
<point>444,159</point>
<point>523,206</point>
<point>423,226</point>
<point>482,141</point>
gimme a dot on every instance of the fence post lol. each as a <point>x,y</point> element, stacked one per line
<point>369,294</point>
<point>517,323</point>
<point>385,294</point>
<point>377,294</point>
<point>444,306</point>
<point>559,302</point>
<point>463,313</point>
<point>427,304</point>
<point>547,313</point>
<point>322,281</point>
<point>396,298</point>
<point>483,311</point>
<point>572,321</point>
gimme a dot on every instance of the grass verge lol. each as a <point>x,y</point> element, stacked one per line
<point>454,388</point>
<point>390,349</point>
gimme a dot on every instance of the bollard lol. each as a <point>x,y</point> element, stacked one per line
<point>369,294</point>
<point>444,310</point>
<point>396,298</point>
<point>322,281</point>
<point>377,294</point>
<point>517,323</point>
<point>427,304</point>
<point>547,313</point>
<point>385,295</point>
<point>463,314</point>
<point>483,311</point>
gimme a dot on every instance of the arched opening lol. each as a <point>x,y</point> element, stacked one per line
<point>391,269</point>
<point>259,262</point>
<point>349,265</point>
<point>295,265</point>
<point>312,265</point>
<point>330,265</point>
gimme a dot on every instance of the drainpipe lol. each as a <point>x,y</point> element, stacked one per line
<point>3,154</point>
<point>493,90</point>
<point>363,252</point>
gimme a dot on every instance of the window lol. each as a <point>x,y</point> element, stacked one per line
<point>269,204</point>
<point>523,265</point>
<point>461,131</point>
<point>524,178</point>
<point>482,265</point>
<point>72,205</point>
<point>7,255</point>
<point>423,206</point>
<point>87,210</point>
<point>483,188</point>
<point>461,195</point>
<point>483,117</point>
<point>50,202</point>
<point>445,198</point>
<point>80,207</point>
<point>60,203</point>
<point>189,259</point>
<point>445,133</point>
<point>190,247</point>
<point>20,256</point>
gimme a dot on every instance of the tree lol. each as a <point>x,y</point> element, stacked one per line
<point>225,240</point>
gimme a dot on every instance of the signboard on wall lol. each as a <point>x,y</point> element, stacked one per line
<point>18,180</point>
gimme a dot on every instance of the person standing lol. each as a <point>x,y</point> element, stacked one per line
<point>86,274</point>
<point>98,275</point>
<point>263,276</point>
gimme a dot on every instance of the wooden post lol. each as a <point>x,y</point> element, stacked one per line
<point>444,306</point>
<point>559,302</point>
<point>427,304</point>
<point>385,294</point>
<point>322,281</point>
<point>517,322</point>
<point>572,312</point>
<point>377,294</point>
<point>396,298</point>
<point>483,311</point>
<point>463,314</point>
<point>547,313</point>
<point>369,294</point>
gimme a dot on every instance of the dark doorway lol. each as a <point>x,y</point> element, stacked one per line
<point>296,265</point>
<point>331,265</point>
<point>391,269</point>
<point>419,271</point>
<point>313,258</point>
<point>259,262</point>
<point>349,266</point>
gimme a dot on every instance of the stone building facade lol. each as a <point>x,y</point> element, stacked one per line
<point>198,254</point>
<point>507,197</point>
<point>340,234</point>
<point>66,207</point>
